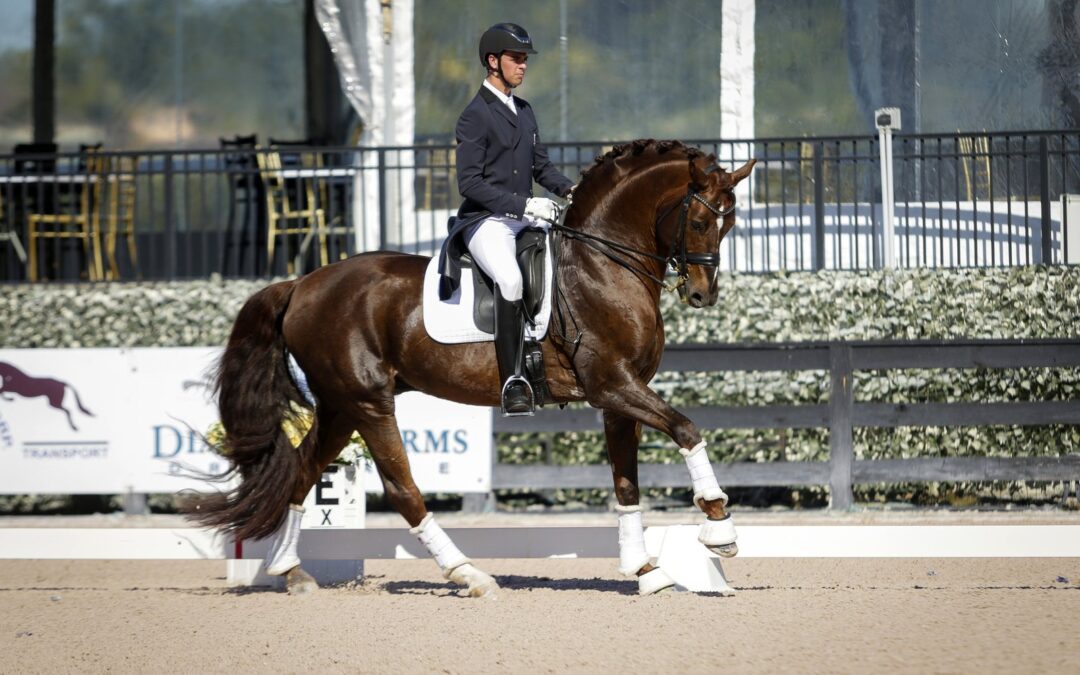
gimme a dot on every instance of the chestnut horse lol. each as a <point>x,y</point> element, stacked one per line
<point>356,329</point>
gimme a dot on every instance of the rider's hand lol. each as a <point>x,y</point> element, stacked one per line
<point>542,208</point>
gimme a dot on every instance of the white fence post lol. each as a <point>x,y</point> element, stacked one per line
<point>1070,229</point>
<point>887,119</point>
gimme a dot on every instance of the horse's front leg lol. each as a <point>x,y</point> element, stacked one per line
<point>623,437</point>
<point>633,398</point>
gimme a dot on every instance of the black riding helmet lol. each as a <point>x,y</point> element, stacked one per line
<point>504,37</point>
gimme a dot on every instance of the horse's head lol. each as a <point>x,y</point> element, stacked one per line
<point>667,214</point>
<point>696,226</point>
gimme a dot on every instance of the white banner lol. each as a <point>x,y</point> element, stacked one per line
<point>109,421</point>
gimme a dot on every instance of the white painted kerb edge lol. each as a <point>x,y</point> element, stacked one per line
<point>763,541</point>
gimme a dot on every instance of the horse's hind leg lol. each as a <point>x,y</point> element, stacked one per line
<point>383,438</point>
<point>56,400</point>
<point>623,436</point>
<point>331,434</point>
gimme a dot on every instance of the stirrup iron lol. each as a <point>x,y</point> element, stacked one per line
<point>512,380</point>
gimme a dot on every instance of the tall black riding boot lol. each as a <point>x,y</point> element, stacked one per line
<point>517,395</point>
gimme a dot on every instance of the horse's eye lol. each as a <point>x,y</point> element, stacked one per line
<point>699,225</point>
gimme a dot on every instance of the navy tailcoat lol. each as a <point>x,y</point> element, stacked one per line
<point>499,154</point>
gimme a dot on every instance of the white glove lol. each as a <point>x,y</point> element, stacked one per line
<point>542,208</point>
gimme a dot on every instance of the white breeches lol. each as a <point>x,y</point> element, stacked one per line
<point>493,245</point>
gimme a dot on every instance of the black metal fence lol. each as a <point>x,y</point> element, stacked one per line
<point>978,199</point>
<point>173,214</point>
<point>840,415</point>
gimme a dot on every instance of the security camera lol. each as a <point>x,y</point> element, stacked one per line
<point>887,118</point>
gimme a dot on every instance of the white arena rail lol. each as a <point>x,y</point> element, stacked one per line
<point>761,541</point>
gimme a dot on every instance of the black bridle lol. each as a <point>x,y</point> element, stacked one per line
<point>678,258</point>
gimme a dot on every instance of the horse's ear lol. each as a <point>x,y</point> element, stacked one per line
<point>742,172</point>
<point>698,179</point>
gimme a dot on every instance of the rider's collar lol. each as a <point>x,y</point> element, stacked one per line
<point>508,101</point>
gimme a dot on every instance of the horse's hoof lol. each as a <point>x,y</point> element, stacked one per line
<point>487,590</point>
<point>299,582</point>
<point>725,551</point>
<point>480,584</point>
<point>654,581</point>
<point>719,537</point>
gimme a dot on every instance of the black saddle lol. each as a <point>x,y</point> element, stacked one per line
<point>531,253</point>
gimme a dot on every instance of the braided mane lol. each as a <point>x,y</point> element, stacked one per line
<point>611,159</point>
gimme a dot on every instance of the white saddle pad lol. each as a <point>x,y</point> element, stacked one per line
<point>451,321</point>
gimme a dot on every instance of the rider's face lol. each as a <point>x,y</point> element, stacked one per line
<point>514,65</point>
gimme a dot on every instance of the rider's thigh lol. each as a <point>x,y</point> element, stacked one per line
<point>493,247</point>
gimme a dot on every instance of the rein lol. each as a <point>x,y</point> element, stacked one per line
<point>677,258</point>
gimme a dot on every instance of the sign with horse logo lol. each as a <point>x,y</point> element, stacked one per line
<point>104,420</point>
<point>448,445</point>
<point>109,421</point>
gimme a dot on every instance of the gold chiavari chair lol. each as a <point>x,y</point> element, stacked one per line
<point>82,222</point>
<point>290,211</point>
<point>120,217</point>
<point>7,230</point>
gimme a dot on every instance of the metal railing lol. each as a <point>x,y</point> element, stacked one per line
<point>964,199</point>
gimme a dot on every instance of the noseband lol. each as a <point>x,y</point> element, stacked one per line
<point>678,258</point>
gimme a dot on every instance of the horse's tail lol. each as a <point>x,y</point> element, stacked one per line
<point>255,396</point>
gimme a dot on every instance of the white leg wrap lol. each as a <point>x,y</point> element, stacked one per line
<point>282,555</point>
<point>701,472</point>
<point>446,554</point>
<point>632,555</point>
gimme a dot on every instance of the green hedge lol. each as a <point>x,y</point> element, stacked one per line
<point>174,314</point>
<point>1033,302</point>
<point>900,304</point>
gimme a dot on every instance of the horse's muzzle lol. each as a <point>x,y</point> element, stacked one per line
<point>697,296</point>
<point>697,299</point>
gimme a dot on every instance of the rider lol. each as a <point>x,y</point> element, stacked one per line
<point>499,153</point>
